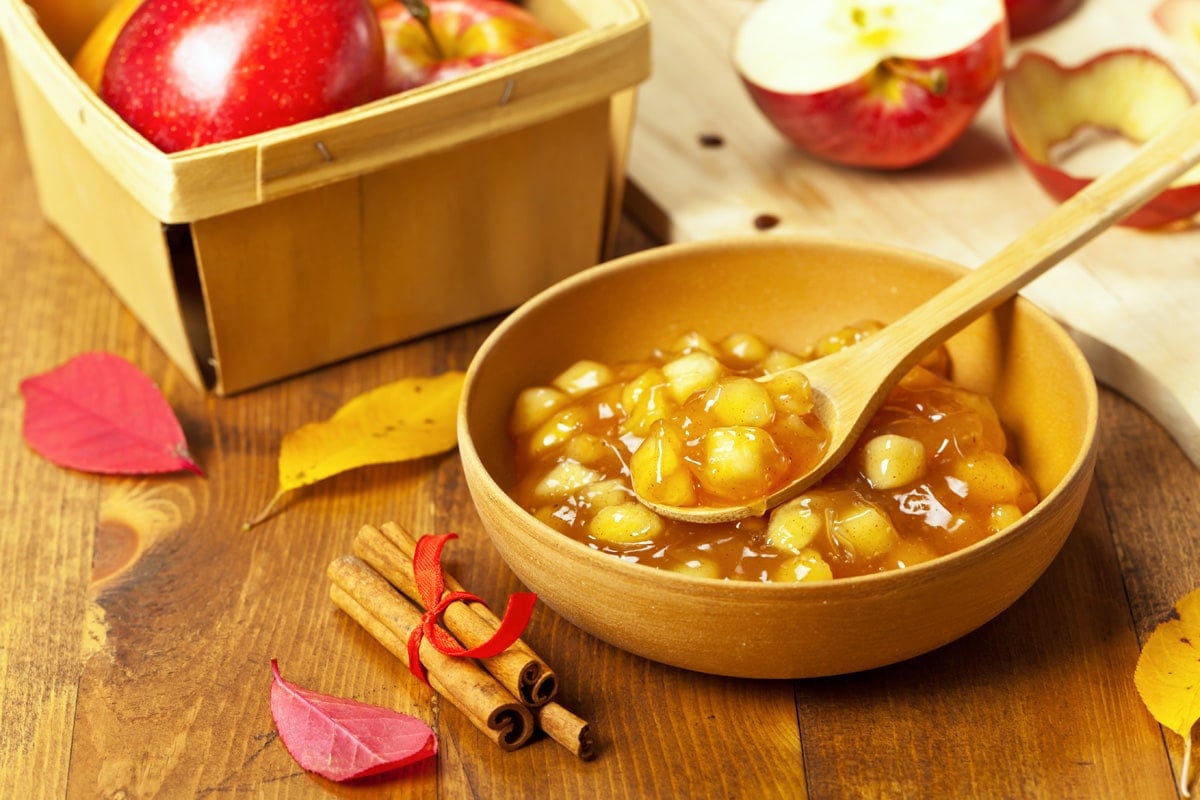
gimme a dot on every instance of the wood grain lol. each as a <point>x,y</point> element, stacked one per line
<point>1129,298</point>
<point>138,619</point>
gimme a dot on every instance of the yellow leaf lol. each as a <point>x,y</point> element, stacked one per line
<point>407,419</point>
<point>1168,675</point>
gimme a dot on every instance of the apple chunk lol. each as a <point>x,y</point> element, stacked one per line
<point>1067,124</point>
<point>871,83</point>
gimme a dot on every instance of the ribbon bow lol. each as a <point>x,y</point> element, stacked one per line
<point>427,569</point>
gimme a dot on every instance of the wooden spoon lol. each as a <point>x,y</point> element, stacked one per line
<point>850,385</point>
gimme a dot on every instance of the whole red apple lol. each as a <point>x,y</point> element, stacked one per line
<point>871,83</point>
<point>1027,17</point>
<point>186,73</point>
<point>462,35</point>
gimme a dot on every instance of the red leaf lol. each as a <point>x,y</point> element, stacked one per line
<point>343,739</point>
<point>99,413</point>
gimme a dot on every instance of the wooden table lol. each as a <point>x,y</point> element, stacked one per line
<point>139,619</point>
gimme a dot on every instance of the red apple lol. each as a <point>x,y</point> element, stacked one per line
<point>186,73</point>
<point>1026,17</point>
<point>461,36</point>
<point>1069,124</point>
<point>868,82</point>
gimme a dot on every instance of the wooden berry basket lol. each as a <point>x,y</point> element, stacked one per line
<point>260,258</point>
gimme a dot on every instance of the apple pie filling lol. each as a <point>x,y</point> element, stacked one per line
<point>690,424</point>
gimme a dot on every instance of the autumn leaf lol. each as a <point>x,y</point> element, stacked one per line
<point>1168,676</point>
<point>407,419</point>
<point>99,413</point>
<point>344,739</point>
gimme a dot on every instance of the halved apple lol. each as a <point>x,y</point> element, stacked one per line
<point>873,83</point>
<point>1070,124</point>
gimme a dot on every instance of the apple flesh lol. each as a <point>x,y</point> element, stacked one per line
<point>466,34</point>
<point>870,83</point>
<point>1057,116</point>
<point>1027,17</point>
<point>186,73</point>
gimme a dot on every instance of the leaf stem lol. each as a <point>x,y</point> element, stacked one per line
<point>266,512</point>
<point>1186,767</point>
<point>186,460</point>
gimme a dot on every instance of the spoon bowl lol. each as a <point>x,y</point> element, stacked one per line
<point>850,385</point>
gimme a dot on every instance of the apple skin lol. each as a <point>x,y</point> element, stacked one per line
<point>1169,207</point>
<point>1027,17</point>
<point>853,124</point>
<point>1045,102</point>
<point>470,34</point>
<point>186,73</point>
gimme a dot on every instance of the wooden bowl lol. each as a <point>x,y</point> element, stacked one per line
<point>787,290</point>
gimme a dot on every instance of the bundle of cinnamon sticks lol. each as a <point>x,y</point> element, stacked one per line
<point>507,696</point>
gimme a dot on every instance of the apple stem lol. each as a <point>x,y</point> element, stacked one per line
<point>420,11</point>
<point>935,81</point>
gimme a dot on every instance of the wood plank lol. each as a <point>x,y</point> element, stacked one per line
<point>1126,297</point>
<point>47,516</point>
<point>1148,489</point>
<point>1038,703</point>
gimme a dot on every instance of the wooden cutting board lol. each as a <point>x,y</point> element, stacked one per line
<point>1130,298</point>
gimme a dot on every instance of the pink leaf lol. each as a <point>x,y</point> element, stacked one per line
<point>99,413</point>
<point>343,739</point>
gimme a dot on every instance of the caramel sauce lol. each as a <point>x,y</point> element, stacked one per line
<point>958,490</point>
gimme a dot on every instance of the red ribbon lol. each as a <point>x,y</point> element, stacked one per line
<point>427,569</point>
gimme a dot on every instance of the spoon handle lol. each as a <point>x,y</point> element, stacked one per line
<point>1098,206</point>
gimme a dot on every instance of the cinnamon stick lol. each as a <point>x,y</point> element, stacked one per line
<point>567,729</point>
<point>375,605</point>
<point>389,549</point>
